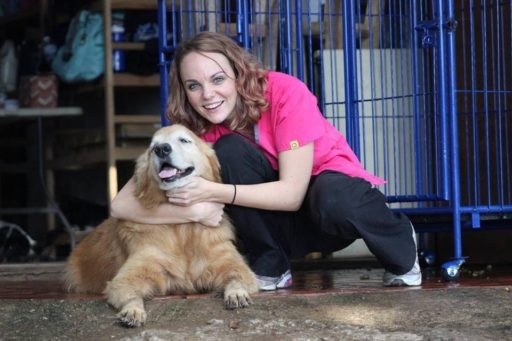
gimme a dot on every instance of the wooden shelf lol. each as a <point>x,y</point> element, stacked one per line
<point>94,156</point>
<point>131,80</point>
<point>129,4</point>
<point>133,4</point>
<point>128,153</point>
<point>149,119</point>
<point>80,88</point>
<point>41,112</point>
<point>127,136</point>
<point>79,160</point>
<point>128,46</point>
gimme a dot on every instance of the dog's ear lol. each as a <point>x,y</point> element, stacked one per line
<point>141,174</point>
<point>146,189</point>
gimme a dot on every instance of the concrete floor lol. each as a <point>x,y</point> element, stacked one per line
<point>326,302</point>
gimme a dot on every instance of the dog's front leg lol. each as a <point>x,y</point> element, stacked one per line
<point>235,278</point>
<point>128,302</point>
<point>139,278</point>
<point>236,295</point>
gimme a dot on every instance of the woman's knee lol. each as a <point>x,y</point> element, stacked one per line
<point>229,148</point>
<point>242,162</point>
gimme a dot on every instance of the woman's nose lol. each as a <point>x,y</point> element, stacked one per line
<point>207,91</point>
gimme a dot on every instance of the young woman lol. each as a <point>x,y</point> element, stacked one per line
<point>292,185</point>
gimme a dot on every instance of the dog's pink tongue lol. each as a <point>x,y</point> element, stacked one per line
<point>167,173</point>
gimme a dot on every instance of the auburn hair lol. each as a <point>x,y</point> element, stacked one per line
<point>251,80</point>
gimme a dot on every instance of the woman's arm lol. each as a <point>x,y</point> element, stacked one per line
<point>125,206</point>
<point>286,194</point>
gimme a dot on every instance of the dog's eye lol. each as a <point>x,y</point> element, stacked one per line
<point>184,140</point>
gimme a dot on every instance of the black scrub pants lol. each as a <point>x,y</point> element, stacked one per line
<point>337,210</point>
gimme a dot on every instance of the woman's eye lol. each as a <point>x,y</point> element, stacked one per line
<point>218,80</point>
<point>193,86</point>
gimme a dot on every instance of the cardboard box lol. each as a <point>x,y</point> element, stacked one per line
<point>39,91</point>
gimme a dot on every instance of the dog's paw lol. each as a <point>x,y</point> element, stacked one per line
<point>235,296</point>
<point>132,316</point>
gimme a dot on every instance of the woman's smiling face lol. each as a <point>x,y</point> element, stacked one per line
<point>209,82</point>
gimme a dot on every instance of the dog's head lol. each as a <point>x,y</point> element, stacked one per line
<point>174,155</point>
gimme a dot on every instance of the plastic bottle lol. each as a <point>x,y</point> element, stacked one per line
<point>118,55</point>
<point>48,49</point>
<point>8,67</point>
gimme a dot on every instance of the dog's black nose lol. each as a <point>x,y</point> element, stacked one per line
<point>163,150</point>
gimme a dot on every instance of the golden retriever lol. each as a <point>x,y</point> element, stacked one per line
<point>130,262</point>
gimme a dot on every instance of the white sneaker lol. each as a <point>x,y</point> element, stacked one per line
<point>266,283</point>
<point>411,278</point>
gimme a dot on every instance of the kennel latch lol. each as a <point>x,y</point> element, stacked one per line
<point>428,28</point>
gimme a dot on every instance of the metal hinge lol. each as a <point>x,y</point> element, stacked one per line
<point>428,28</point>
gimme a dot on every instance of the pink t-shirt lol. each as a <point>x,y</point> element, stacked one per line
<point>293,120</point>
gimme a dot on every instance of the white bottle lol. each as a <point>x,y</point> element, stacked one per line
<point>8,67</point>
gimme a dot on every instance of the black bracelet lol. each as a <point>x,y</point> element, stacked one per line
<point>234,195</point>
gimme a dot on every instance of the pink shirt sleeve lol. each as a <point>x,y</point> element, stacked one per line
<point>297,119</point>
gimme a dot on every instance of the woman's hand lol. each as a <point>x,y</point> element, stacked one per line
<point>208,213</point>
<point>195,191</point>
<point>199,196</point>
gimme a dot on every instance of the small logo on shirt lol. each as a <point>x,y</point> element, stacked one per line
<point>294,144</point>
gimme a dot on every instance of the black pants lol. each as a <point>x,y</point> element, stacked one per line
<point>337,210</point>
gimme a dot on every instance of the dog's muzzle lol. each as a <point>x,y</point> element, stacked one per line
<point>168,172</point>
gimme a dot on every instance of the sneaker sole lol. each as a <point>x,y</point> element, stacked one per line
<point>399,282</point>
<point>268,287</point>
<point>285,281</point>
<point>286,284</point>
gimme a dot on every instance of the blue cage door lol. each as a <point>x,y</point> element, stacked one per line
<point>385,89</point>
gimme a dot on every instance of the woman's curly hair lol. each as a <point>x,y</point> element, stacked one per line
<point>250,83</point>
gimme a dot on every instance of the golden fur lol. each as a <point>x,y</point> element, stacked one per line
<point>130,262</point>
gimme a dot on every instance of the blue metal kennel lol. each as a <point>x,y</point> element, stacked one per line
<point>421,89</point>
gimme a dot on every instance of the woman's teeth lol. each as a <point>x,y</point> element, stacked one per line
<point>212,106</point>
